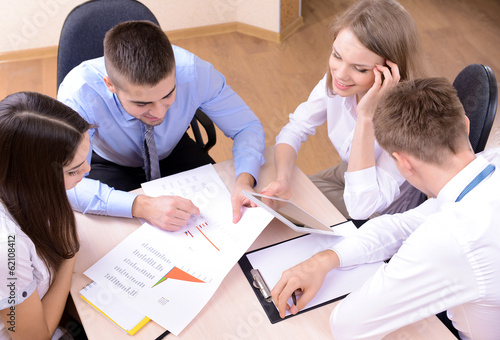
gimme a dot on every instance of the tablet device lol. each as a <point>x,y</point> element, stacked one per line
<point>291,214</point>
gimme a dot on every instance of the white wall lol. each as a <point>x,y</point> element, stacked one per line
<point>27,24</point>
<point>180,14</point>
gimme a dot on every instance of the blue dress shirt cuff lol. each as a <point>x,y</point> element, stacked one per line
<point>120,203</point>
<point>251,167</point>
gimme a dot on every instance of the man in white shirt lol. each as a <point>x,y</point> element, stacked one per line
<point>445,253</point>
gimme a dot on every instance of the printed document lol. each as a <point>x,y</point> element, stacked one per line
<point>170,276</point>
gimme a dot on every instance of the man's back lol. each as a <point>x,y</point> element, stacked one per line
<point>444,257</point>
<point>475,231</point>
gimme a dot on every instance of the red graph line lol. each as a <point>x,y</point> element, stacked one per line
<point>207,238</point>
<point>188,232</point>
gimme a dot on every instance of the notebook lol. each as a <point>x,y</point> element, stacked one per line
<point>128,319</point>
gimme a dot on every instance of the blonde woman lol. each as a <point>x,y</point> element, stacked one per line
<point>375,45</point>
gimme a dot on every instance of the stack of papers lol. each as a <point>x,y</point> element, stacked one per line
<point>170,276</point>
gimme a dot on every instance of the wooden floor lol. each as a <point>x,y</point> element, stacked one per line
<point>274,78</point>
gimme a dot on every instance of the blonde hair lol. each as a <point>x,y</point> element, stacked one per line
<point>424,118</point>
<point>385,28</point>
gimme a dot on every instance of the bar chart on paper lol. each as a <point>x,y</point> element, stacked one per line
<point>199,186</point>
<point>148,275</point>
<point>170,276</point>
<point>144,264</point>
<point>197,232</point>
<point>211,235</point>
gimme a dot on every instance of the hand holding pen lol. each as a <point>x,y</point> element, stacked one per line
<point>306,278</point>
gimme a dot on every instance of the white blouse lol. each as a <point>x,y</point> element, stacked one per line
<point>380,188</point>
<point>21,269</point>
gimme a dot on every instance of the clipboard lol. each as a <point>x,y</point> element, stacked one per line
<point>338,282</point>
<point>263,291</point>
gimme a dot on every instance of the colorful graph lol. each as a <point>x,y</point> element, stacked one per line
<point>199,227</point>
<point>178,274</point>
<point>163,301</point>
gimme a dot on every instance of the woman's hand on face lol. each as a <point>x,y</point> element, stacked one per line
<point>367,104</point>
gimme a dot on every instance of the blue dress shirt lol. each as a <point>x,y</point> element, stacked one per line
<point>118,136</point>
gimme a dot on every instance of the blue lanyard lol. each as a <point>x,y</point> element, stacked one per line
<point>478,179</point>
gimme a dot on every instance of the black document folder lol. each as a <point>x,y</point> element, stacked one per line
<point>272,260</point>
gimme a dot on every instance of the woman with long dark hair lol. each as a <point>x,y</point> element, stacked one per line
<point>43,150</point>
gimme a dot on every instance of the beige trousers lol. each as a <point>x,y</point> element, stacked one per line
<point>331,183</point>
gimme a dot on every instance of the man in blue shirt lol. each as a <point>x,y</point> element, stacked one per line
<point>142,81</point>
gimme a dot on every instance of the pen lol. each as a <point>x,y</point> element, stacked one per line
<point>294,299</point>
<point>164,334</point>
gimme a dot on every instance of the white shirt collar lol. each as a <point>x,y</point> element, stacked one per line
<point>454,187</point>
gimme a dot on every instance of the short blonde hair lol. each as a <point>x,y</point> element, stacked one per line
<point>424,118</point>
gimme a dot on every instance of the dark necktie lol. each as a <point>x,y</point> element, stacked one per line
<point>151,163</point>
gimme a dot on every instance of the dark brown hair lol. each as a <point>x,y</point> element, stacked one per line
<point>138,52</point>
<point>424,118</point>
<point>385,28</point>
<point>38,137</point>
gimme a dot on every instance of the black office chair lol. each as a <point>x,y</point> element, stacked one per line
<point>477,90</point>
<point>82,37</point>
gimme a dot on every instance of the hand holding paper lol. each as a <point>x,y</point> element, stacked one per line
<point>243,182</point>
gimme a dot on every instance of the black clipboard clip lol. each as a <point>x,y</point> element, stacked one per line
<point>260,284</point>
<point>262,291</point>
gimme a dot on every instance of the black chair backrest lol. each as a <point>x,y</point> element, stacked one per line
<point>83,31</point>
<point>477,90</point>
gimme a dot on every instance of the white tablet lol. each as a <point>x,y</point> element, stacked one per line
<point>292,215</point>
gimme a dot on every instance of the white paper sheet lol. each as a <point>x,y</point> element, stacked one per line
<point>272,261</point>
<point>170,276</point>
